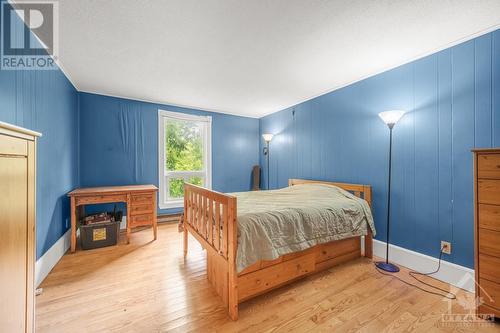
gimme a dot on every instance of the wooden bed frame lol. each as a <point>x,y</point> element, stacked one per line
<point>202,206</point>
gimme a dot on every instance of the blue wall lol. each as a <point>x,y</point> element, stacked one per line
<point>45,101</point>
<point>453,99</point>
<point>119,144</point>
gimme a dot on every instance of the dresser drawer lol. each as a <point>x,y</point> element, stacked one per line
<point>489,217</point>
<point>489,268</point>
<point>13,146</point>
<point>488,191</point>
<point>141,198</point>
<point>136,209</point>
<point>489,242</point>
<point>138,220</point>
<point>490,293</point>
<point>488,166</point>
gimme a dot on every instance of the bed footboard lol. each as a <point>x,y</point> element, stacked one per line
<point>210,217</point>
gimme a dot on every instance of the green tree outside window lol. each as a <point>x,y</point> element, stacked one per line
<point>184,153</point>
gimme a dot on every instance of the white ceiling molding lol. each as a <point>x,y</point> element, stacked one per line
<point>253,58</point>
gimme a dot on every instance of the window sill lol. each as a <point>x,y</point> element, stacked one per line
<point>172,204</point>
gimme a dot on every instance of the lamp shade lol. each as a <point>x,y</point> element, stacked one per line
<point>391,117</point>
<point>267,137</point>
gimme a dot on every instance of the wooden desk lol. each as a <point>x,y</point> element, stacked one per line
<point>140,200</point>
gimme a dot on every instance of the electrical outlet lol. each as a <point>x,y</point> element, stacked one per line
<point>446,246</point>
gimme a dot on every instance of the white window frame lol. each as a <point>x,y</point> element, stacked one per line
<point>165,202</point>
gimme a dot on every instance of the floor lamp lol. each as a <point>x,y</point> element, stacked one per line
<point>267,139</point>
<point>390,118</point>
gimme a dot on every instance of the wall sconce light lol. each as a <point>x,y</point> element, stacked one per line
<point>267,138</point>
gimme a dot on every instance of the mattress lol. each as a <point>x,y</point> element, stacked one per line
<point>277,222</point>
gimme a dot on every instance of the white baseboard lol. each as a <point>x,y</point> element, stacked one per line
<point>456,275</point>
<point>50,258</point>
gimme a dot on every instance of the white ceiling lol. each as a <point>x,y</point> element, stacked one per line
<point>252,57</point>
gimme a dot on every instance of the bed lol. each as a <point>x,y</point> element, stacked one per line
<point>261,240</point>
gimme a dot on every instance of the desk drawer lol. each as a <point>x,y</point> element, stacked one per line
<point>489,242</point>
<point>101,199</point>
<point>138,220</point>
<point>141,198</point>
<point>137,209</point>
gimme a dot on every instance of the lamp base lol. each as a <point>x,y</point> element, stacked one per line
<point>387,266</point>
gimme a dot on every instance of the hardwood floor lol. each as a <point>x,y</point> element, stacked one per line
<point>147,287</point>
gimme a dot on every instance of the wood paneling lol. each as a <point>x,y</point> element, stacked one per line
<point>426,154</point>
<point>45,101</point>
<point>453,102</point>
<point>463,112</point>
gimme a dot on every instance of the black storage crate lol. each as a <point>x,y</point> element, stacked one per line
<point>97,235</point>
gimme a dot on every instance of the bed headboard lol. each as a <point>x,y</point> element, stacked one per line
<point>359,190</point>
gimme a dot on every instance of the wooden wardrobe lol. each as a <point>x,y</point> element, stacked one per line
<point>17,228</point>
<point>487,229</point>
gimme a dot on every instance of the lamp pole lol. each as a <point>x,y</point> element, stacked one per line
<point>389,195</point>
<point>267,158</point>
<point>390,118</point>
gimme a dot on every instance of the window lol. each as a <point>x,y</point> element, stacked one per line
<point>184,155</point>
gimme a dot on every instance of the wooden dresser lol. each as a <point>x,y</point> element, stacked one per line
<point>17,228</point>
<point>487,229</point>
